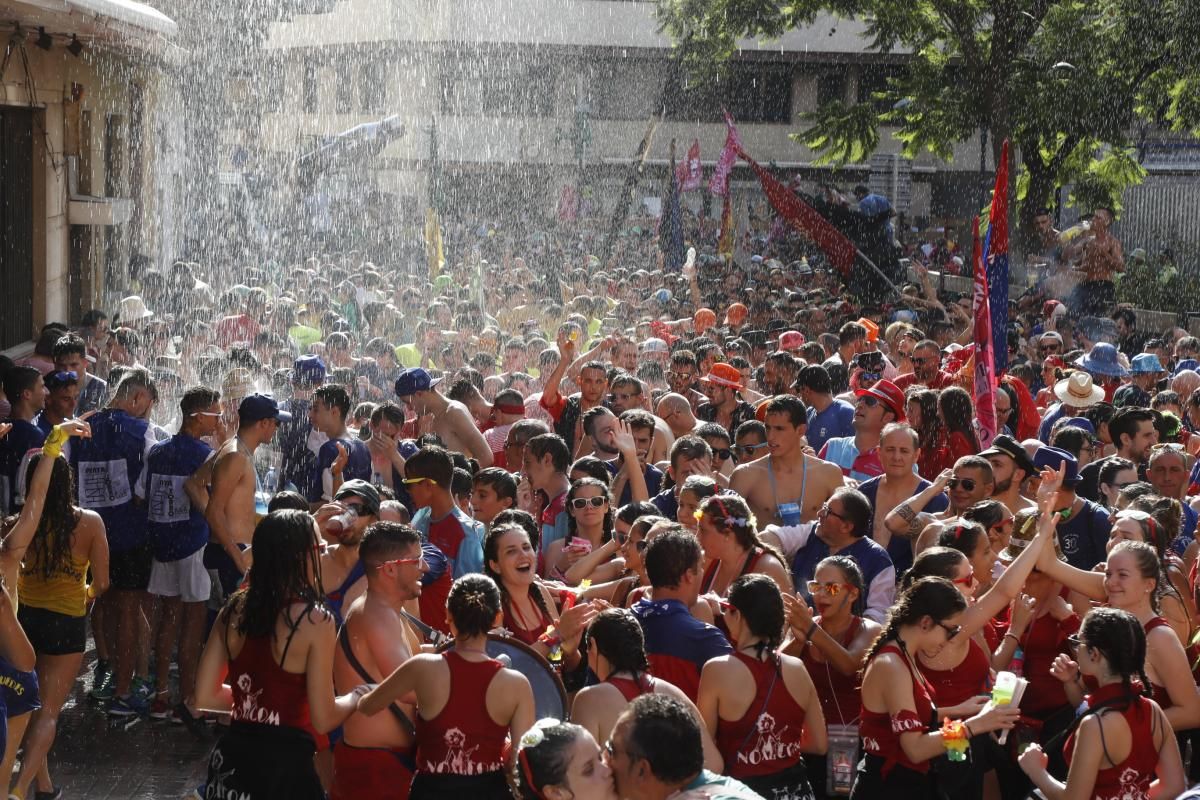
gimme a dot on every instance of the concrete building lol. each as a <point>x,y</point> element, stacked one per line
<point>531,96</point>
<point>82,187</point>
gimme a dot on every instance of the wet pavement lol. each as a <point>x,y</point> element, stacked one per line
<point>150,760</point>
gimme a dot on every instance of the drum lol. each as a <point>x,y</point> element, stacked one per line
<point>549,695</point>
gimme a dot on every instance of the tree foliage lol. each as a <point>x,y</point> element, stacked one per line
<point>1077,85</point>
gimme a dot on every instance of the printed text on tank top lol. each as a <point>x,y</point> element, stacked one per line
<point>768,735</point>
<point>788,513</point>
<point>459,740</point>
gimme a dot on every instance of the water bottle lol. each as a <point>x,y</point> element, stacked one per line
<point>1017,665</point>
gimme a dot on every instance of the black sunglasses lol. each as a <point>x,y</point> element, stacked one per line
<point>722,453</point>
<point>968,484</point>
<point>583,502</point>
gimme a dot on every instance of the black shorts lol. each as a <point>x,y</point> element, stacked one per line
<point>52,633</point>
<point>129,570</point>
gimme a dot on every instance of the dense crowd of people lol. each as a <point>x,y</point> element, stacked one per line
<point>734,532</point>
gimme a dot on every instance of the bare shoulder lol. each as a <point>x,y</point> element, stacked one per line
<point>89,521</point>
<point>825,469</point>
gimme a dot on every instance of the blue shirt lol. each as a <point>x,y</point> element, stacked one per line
<point>836,420</point>
<point>653,475</point>
<point>107,467</point>
<point>16,449</point>
<point>358,465</point>
<point>1053,414</point>
<point>1084,536</point>
<point>667,503</point>
<point>177,529</point>
<point>900,549</point>
<point>677,644</point>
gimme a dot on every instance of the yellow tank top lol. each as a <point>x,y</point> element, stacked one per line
<point>62,593</point>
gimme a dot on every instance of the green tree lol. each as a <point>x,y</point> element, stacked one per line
<point>1076,85</point>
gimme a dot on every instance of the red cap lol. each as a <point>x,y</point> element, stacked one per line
<point>791,340</point>
<point>725,375</point>
<point>887,393</point>
<point>736,314</point>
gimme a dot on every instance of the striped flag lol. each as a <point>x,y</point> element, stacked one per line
<point>995,260</point>
<point>985,373</point>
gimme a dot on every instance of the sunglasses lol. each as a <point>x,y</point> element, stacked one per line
<point>1049,348</point>
<point>966,580</point>
<point>400,562</point>
<point>968,484</point>
<point>869,400</point>
<point>1075,642</point>
<point>832,589</point>
<point>750,449</point>
<point>411,481</point>
<point>722,454</point>
<point>60,378</point>
<point>583,502</point>
<point>999,526</point>
<point>951,630</point>
<point>205,414</point>
<point>825,509</point>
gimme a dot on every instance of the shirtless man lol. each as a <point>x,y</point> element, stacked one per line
<point>787,486</point>
<point>342,570</point>
<point>1011,465</point>
<point>449,419</point>
<point>1100,260</point>
<point>374,757</point>
<point>969,482</point>
<point>230,510</point>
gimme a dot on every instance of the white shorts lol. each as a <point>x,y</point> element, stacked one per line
<point>186,578</point>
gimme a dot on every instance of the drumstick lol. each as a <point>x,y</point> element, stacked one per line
<point>435,637</point>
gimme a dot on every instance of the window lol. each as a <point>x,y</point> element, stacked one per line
<point>309,90</point>
<point>492,87</point>
<point>872,80</point>
<point>751,91</point>
<point>343,93</point>
<point>372,87</point>
<point>831,87</point>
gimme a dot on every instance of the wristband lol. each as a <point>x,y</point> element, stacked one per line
<point>811,630</point>
<point>1014,637</point>
<point>53,445</point>
<point>957,739</point>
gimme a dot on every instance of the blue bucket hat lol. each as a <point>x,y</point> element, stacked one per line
<point>1102,360</point>
<point>1144,363</point>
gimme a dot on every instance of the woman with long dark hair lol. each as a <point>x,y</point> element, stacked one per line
<point>589,525</point>
<point>898,727</point>
<point>468,703</point>
<point>760,704</point>
<point>54,544</point>
<point>1122,747</point>
<point>530,607</point>
<point>957,415</point>
<point>269,664</point>
<point>922,412</point>
<point>616,652</point>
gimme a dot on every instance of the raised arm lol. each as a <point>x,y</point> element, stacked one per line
<point>904,519</point>
<point>566,354</point>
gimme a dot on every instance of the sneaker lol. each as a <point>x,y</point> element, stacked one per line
<point>195,723</point>
<point>143,688</point>
<point>161,707</point>
<point>131,705</point>
<point>54,794</point>
<point>102,688</point>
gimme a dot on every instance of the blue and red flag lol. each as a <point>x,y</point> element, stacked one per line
<point>984,384</point>
<point>995,260</point>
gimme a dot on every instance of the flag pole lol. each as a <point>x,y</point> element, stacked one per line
<point>878,271</point>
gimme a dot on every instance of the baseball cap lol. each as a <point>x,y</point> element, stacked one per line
<point>414,380</point>
<point>655,345</point>
<point>725,375</point>
<point>887,393</point>
<point>257,406</point>
<point>362,490</point>
<point>308,371</point>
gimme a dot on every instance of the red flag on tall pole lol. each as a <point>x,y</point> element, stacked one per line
<point>725,240</point>
<point>688,173</point>
<point>985,371</point>
<point>719,183</point>
<point>805,218</point>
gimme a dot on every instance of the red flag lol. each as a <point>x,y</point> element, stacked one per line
<point>725,240</point>
<point>985,373</point>
<point>840,250</point>
<point>719,184</point>
<point>688,172</point>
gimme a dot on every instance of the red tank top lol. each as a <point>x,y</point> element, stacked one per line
<point>767,738</point>
<point>710,573</point>
<point>631,688</point>
<point>515,623</point>
<point>1158,692</point>
<point>881,734</point>
<point>463,739</point>
<point>839,694</point>
<point>961,683</point>
<point>264,692</point>
<point>1131,779</point>
<point>1043,641</point>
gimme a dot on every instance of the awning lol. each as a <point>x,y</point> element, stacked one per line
<point>130,12</point>
<point>100,19</point>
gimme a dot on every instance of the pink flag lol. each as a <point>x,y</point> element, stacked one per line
<point>719,184</point>
<point>985,372</point>
<point>688,171</point>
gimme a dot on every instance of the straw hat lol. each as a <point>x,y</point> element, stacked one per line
<point>133,308</point>
<point>1024,531</point>
<point>1078,391</point>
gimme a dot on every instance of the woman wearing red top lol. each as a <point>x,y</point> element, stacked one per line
<point>898,705</point>
<point>729,536</point>
<point>269,664</point>
<point>617,656</point>
<point>1131,582</point>
<point>956,414</point>
<point>529,607</point>
<point>922,411</point>
<point>1123,742</point>
<point>461,752</point>
<point>759,704</point>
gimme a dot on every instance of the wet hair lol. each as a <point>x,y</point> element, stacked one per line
<point>957,413</point>
<point>852,574</point>
<point>1149,565</point>
<point>933,597</point>
<point>1120,638</point>
<point>1135,490</point>
<point>431,462</point>
<point>632,512</point>
<point>523,430</point>
<point>491,552</point>
<point>593,468</point>
<point>1110,467</point>
<point>546,762</point>
<point>619,638</point>
<point>759,602</point>
<point>792,406</point>
<point>986,513</point>
<point>712,430</point>
<point>963,536</point>
<point>473,604</point>
<point>286,570</point>
<point>700,485</point>
<point>670,556</point>
<point>857,507</point>
<point>931,427</point>
<point>335,397</point>
<point>196,399</point>
<point>20,379</point>
<point>1125,422</point>
<point>1070,438</point>
<point>690,447</point>
<point>287,500</point>
<point>383,540</point>
<point>461,482</point>
<point>555,446</point>
<point>69,344</point>
<point>938,561</point>
<point>572,525</point>
<point>500,481</point>
<point>729,512</point>
<point>49,551</point>
<point>665,733</point>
